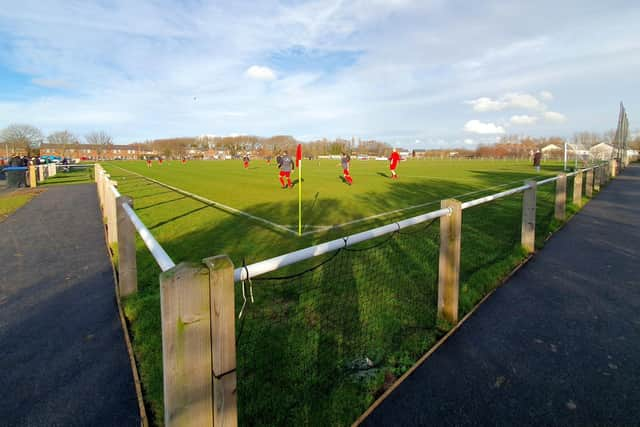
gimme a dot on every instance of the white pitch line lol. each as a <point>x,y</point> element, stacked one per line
<point>323,228</point>
<point>212,203</point>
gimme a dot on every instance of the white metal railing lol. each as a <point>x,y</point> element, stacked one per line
<point>262,267</point>
<point>157,251</point>
<point>162,258</point>
<point>272,264</point>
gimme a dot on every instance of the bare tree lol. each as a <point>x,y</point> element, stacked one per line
<point>64,139</point>
<point>21,137</point>
<point>101,140</point>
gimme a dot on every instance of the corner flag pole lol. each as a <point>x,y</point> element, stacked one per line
<point>299,164</point>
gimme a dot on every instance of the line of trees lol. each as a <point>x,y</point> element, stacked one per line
<point>27,139</point>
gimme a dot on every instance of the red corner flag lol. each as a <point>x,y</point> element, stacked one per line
<point>298,155</point>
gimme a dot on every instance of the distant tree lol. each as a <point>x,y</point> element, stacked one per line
<point>101,140</point>
<point>22,137</point>
<point>64,139</point>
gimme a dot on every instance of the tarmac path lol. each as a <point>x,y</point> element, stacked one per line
<point>558,344</point>
<point>63,358</point>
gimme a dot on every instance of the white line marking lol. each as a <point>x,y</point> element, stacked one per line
<point>318,228</point>
<point>212,203</point>
<point>323,228</point>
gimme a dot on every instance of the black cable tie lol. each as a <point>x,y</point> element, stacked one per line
<point>345,242</point>
<point>219,377</point>
<point>246,269</point>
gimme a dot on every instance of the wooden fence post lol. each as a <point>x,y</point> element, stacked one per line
<point>127,265</point>
<point>528,236</point>
<point>100,184</point>
<point>32,176</point>
<point>589,184</point>
<point>223,341</point>
<point>614,168</point>
<point>186,345</point>
<point>112,217</point>
<point>561,198</point>
<point>597,178</point>
<point>40,173</point>
<point>449,262</point>
<point>577,189</point>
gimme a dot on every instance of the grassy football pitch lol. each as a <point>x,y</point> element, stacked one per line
<point>304,337</point>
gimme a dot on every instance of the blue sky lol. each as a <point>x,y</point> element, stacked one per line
<point>421,74</point>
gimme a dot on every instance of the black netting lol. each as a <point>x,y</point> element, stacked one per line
<point>545,212</point>
<point>490,247</point>
<point>320,341</point>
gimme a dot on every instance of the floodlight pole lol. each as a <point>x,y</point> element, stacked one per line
<point>565,156</point>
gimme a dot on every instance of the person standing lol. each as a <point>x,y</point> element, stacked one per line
<point>394,160</point>
<point>245,160</point>
<point>346,163</point>
<point>537,156</point>
<point>279,160</point>
<point>286,165</point>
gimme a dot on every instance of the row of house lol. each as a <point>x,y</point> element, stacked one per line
<point>601,151</point>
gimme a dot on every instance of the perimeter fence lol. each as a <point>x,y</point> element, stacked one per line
<point>313,337</point>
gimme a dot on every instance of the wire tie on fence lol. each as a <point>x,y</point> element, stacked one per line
<point>244,295</point>
<point>399,228</point>
<point>345,242</point>
<point>219,377</point>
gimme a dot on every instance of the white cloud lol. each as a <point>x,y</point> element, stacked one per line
<point>507,101</point>
<point>554,117</point>
<point>523,100</point>
<point>485,104</point>
<point>260,73</point>
<point>476,126</point>
<point>546,95</point>
<point>469,141</point>
<point>523,120</point>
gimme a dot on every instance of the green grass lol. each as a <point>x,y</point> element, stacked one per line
<point>301,335</point>
<point>10,202</point>
<point>74,176</point>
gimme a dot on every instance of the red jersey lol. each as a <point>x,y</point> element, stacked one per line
<point>395,158</point>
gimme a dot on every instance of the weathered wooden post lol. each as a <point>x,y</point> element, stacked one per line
<point>127,266</point>
<point>112,217</point>
<point>560,210</point>
<point>597,178</point>
<point>614,168</point>
<point>528,235</point>
<point>186,345</point>
<point>99,184</point>
<point>223,341</point>
<point>577,189</point>
<point>589,184</point>
<point>32,176</point>
<point>449,262</point>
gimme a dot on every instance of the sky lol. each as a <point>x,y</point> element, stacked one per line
<point>417,74</point>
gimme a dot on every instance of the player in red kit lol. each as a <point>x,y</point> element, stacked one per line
<point>245,161</point>
<point>346,162</point>
<point>394,160</point>
<point>286,165</point>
